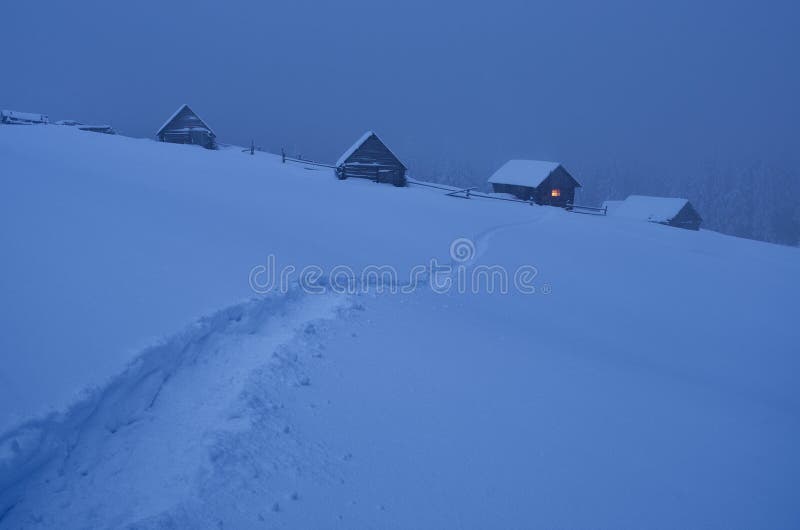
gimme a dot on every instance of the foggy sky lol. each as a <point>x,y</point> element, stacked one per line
<point>662,84</point>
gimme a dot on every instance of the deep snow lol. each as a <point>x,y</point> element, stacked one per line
<point>115,242</point>
<point>651,386</point>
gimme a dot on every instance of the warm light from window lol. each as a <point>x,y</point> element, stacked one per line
<point>555,192</point>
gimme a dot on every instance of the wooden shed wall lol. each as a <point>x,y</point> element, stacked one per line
<point>541,195</point>
<point>373,160</point>
<point>186,119</point>
<point>687,218</point>
<point>561,180</point>
<point>521,192</point>
<point>188,128</point>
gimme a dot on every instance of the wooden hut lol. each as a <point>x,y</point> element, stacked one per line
<point>104,129</point>
<point>663,210</point>
<point>13,117</point>
<point>186,127</point>
<point>535,180</point>
<point>370,158</point>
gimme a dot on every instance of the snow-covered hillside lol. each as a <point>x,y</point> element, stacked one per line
<point>649,380</point>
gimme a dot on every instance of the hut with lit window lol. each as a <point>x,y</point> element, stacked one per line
<point>370,158</point>
<point>186,127</point>
<point>535,180</point>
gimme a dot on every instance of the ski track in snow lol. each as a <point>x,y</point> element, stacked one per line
<point>209,399</point>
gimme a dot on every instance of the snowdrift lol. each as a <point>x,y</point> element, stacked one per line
<point>648,380</point>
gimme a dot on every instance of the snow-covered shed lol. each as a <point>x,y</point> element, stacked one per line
<point>186,127</point>
<point>13,117</point>
<point>370,158</point>
<point>536,180</point>
<point>670,211</point>
<point>104,129</point>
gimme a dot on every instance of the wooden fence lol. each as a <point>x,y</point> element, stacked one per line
<point>461,193</point>
<point>589,210</point>
<point>285,159</point>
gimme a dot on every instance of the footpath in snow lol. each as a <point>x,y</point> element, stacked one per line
<point>648,382</point>
<point>182,418</point>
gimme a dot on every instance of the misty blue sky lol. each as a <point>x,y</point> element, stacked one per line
<point>663,84</point>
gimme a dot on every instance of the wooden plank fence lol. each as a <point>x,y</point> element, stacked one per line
<point>463,193</point>
<point>588,210</point>
<point>285,159</point>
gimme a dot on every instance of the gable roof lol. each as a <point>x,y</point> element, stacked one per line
<point>528,173</point>
<point>353,148</point>
<point>177,113</point>
<point>655,209</point>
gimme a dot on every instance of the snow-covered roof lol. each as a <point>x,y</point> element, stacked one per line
<point>83,126</point>
<point>188,129</point>
<point>528,173</point>
<point>23,117</point>
<point>347,154</point>
<point>175,115</point>
<point>655,209</point>
<point>353,148</point>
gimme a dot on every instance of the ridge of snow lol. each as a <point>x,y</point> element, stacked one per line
<point>131,397</point>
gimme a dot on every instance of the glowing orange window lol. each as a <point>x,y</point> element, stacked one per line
<point>555,192</point>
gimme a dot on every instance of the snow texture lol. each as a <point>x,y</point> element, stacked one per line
<point>649,382</point>
<point>610,206</point>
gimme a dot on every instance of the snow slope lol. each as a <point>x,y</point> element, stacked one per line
<point>649,382</point>
<point>115,242</point>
